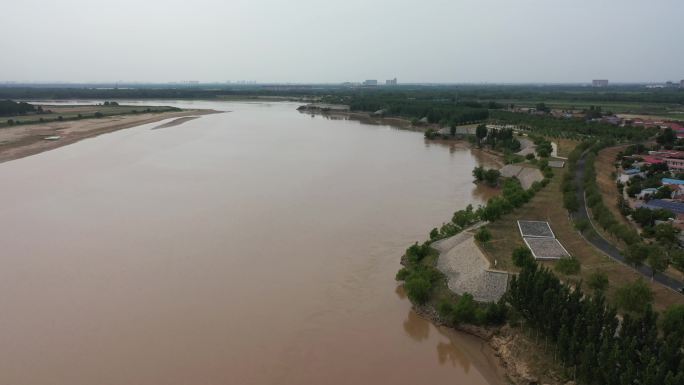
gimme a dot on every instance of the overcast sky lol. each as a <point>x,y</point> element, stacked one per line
<point>471,41</point>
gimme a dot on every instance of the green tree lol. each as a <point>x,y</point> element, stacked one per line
<point>634,296</point>
<point>479,173</point>
<point>598,281</point>
<point>465,308</point>
<point>483,235</point>
<point>567,266</point>
<point>431,134</point>
<point>463,218</point>
<point>667,137</point>
<point>665,192</point>
<point>491,176</point>
<point>480,133</point>
<point>417,288</point>
<point>657,259</point>
<point>582,225</point>
<point>666,234</point>
<point>673,320</point>
<point>637,254</point>
<point>522,256</point>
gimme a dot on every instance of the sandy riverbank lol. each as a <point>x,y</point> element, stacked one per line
<point>24,140</point>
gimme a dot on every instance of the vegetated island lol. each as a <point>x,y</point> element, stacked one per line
<point>28,129</point>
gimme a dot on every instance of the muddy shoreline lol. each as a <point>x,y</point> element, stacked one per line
<point>499,343</point>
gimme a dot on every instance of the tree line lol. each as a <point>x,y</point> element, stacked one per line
<point>573,128</point>
<point>12,108</point>
<point>445,111</point>
<point>592,343</point>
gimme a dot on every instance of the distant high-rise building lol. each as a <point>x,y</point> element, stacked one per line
<point>599,83</point>
<point>391,82</point>
<point>370,82</point>
<point>681,84</point>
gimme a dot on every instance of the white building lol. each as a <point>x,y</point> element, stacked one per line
<point>370,82</point>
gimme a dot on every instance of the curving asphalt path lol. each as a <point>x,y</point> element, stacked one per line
<point>606,247</point>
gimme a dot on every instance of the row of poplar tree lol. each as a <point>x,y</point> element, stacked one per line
<point>594,345</point>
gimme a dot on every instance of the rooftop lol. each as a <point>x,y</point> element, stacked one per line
<point>672,181</point>
<point>653,160</point>
<point>675,207</point>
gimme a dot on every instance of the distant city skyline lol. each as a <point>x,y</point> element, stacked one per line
<point>271,41</point>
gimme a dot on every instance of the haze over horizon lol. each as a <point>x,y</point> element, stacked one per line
<point>438,41</point>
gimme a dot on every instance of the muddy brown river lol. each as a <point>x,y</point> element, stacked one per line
<point>257,246</point>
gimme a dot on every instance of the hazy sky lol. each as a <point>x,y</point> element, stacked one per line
<point>347,40</point>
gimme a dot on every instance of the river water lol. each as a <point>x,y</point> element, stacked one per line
<point>256,246</point>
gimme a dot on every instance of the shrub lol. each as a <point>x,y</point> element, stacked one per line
<point>491,176</point>
<point>429,133</point>
<point>402,274</point>
<point>673,319</point>
<point>483,235</point>
<point>634,297</point>
<point>570,202</point>
<point>568,266</point>
<point>479,173</point>
<point>598,281</point>
<point>529,156</point>
<point>522,256</point>
<point>582,225</point>
<point>416,252</point>
<point>463,218</point>
<point>494,313</point>
<point>417,288</point>
<point>465,308</point>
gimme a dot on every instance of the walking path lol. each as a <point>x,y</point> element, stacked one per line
<point>606,247</point>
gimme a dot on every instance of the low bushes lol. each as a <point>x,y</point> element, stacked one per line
<point>466,310</point>
<point>483,235</point>
<point>568,266</point>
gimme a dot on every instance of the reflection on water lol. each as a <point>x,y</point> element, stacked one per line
<point>454,349</point>
<point>256,247</point>
<point>449,352</point>
<point>416,327</point>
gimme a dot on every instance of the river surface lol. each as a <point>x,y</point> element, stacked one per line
<point>256,246</point>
